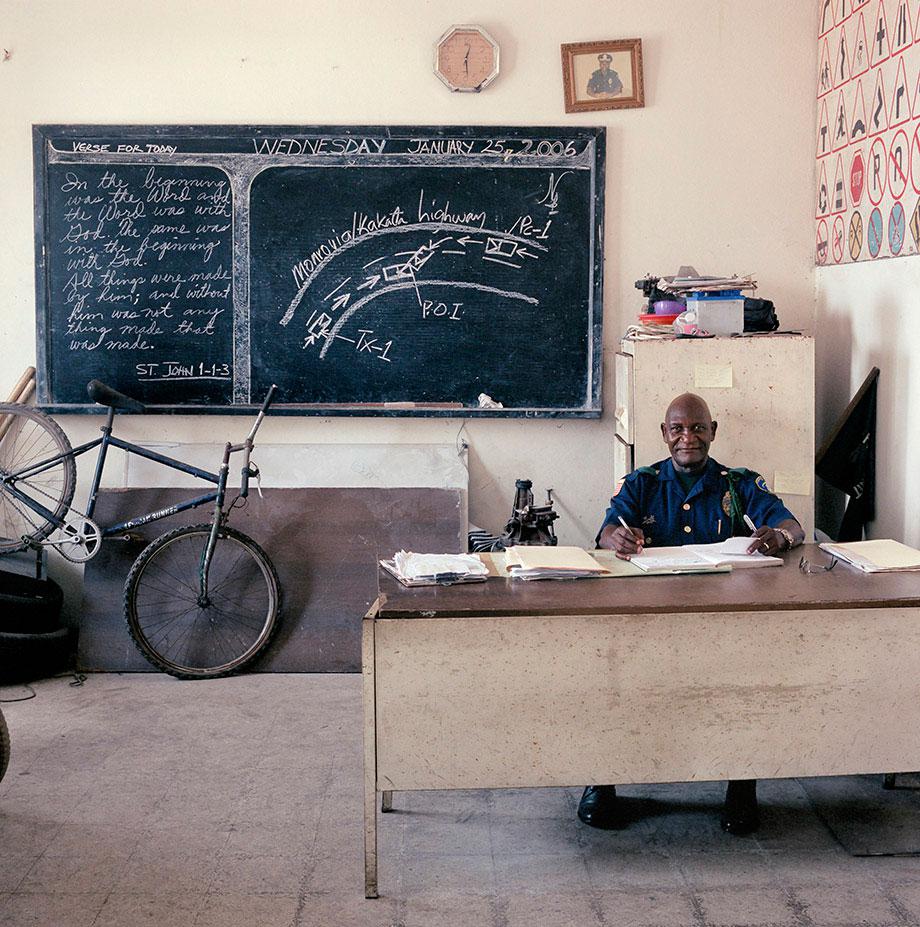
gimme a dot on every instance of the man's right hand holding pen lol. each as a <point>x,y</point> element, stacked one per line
<point>624,541</point>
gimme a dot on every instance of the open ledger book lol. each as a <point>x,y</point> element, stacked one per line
<point>878,556</point>
<point>703,558</point>
<point>551,563</point>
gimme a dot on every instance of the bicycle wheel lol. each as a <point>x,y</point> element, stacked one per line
<point>174,630</point>
<point>4,745</point>
<point>29,437</point>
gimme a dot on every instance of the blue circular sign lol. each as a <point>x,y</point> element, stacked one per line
<point>874,232</point>
<point>896,228</point>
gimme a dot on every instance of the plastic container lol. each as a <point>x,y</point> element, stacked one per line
<point>719,313</point>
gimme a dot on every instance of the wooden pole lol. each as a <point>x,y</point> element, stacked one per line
<point>24,386</point>
<point>22,391</point>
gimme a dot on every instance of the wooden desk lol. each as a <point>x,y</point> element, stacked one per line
<point>754,674</point>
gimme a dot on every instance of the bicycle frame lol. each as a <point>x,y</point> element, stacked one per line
<point>104,443</point>
<point>109,440</point>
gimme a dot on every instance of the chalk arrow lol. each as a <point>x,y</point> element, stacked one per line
<point>370,282</point>
<point>466,240</point>
<point>341,301</point>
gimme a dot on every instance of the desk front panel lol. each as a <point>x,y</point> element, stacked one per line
<point>569,700</point>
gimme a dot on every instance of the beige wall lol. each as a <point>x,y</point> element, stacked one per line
<point>716,170</point>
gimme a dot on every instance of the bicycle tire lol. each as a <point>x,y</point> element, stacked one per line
<point>30,437</point>
<point>4,746</point>
<point>178,635</point>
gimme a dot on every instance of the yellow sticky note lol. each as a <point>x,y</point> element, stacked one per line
<point>791,483</point>
<point>714,376</point>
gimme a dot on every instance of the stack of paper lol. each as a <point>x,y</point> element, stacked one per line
<point>413,569</point>
<point>703,558</point>
<point>687,280</point>
<point>551,563</point>
<point>879,556</point>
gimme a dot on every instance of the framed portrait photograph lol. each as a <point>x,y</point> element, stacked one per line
<point>602,75</point>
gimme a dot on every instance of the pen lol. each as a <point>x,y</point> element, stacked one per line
<point>623,523</point>
<point>749,523</point>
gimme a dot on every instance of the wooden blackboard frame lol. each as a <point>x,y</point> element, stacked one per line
<point>494,146</point>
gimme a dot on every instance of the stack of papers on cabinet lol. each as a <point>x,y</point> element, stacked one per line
<point>879,556</point>
<point>413,569</point>
<point>703,558</point>
<point>551,563</point>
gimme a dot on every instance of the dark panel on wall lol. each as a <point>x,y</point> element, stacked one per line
<point>325,544</point>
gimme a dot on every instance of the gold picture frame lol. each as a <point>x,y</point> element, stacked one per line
<point>602,75</point>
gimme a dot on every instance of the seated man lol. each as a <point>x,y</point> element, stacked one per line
<point>691,499</point>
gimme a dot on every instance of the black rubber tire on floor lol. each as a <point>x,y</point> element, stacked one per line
<point>29,605</point>
<point>25,657</point>
<point>4,746</point>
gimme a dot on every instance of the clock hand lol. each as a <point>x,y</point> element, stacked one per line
<point>466,60</point>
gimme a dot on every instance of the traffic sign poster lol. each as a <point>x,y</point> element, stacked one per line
<point>867,132</point>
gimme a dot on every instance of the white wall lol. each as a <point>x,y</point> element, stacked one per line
<point>868,315</point>
<point>716,170</point>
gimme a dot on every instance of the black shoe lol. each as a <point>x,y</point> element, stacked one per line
<point>599,808</point>
<point>739,814</point>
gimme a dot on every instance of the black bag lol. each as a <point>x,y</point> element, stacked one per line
<point>760,316</point>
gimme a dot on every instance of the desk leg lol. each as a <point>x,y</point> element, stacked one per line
<point>370,756</point>
<point>386,801</point>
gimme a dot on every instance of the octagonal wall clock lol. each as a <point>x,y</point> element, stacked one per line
<point>466,59</point>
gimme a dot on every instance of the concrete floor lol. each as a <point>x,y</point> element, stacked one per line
<point>138,799</point>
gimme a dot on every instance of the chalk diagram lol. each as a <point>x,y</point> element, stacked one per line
<point>397,270</point>
<point>449,266</point>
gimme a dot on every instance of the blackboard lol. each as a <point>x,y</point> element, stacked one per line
<point>365,270</point>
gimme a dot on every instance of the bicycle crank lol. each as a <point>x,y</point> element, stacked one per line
<point>77,540</point>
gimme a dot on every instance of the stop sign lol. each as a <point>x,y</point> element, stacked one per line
<point>857,178</point>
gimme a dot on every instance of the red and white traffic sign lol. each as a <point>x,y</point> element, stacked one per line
<point>857,177</point>
<point>898,166</point>
<point>877,169</point>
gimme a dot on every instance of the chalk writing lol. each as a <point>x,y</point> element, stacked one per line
<point>194,265</point>
<point>144,271</point>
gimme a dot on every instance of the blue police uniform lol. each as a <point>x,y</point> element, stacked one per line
<point>653,499</point>
<point>602,81</point>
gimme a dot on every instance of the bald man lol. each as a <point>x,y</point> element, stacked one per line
<point>690,498</point>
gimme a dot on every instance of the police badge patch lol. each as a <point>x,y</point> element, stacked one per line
<point>727,503</point>
<point>761,484</point>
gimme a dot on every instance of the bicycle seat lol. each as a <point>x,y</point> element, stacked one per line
<point>106,396</point>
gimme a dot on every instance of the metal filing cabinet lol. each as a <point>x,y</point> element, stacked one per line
<point>760,389</point>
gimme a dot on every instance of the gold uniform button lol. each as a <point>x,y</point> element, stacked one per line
<point>687,529</point>
<point>686,506</point>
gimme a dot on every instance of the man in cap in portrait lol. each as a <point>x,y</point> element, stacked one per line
<point>605,81</point>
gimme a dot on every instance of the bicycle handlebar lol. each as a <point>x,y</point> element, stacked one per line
<point>262,411</point>
<point>246,472</point>
<point>268,398</point>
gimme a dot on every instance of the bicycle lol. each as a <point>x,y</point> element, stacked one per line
<point>201,601</point>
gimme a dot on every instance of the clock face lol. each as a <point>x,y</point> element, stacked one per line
<point>466,58</point>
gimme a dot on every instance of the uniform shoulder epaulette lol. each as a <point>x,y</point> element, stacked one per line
<point>741,472</point>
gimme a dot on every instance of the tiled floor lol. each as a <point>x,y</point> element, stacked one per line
<point>138,799</point>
